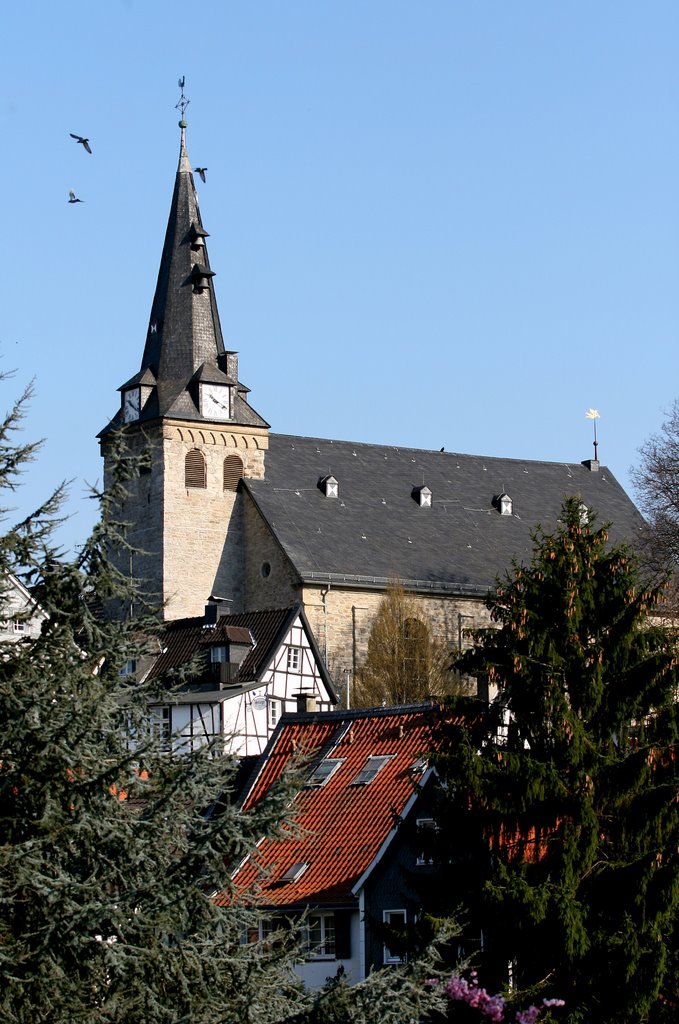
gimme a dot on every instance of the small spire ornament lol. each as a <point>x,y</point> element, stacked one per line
<point>593,414</point>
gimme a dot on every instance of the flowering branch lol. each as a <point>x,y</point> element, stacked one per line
<point>459,989</point>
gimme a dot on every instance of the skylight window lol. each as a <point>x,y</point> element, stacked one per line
<point>372,766</point>
<point>295,872</point>
<point>324,771</point>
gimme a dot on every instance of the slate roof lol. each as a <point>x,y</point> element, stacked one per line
<point>184,331</point>
<point>344,826</point>
<point>183,639</point>
<point>376,529</point>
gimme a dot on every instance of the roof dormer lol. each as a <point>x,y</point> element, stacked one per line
<point>329,486</point>
<point>504,504</point>
<point>423,496</point>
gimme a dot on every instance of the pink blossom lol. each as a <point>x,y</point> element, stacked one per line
<point>492,1007</point>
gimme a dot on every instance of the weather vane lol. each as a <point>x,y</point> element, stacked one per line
<point>593,414</point>
<point>183,102</point>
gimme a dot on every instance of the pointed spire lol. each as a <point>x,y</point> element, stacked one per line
<point>184,331</point>
<point>184,344</point>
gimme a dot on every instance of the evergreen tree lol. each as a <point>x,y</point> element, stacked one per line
<point>110,855</point>
<point>561,813</point>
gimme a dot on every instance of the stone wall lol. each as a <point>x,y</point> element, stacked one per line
<point>269,579</point>
<point>341,619</point>
<point>191,537</point>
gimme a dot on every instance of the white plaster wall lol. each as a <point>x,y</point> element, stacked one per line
<point>314,972</point>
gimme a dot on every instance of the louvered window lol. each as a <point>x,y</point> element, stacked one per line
<point>194,469</point>
<point>233,471</point>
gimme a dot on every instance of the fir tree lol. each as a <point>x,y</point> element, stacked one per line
<point>561,811</point>
<point>111,852</point>
<point>109,855</point>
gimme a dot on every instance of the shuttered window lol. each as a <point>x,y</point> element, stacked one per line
<point>194,469</point>
<point>233,471</point>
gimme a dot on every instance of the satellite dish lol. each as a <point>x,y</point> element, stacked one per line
<point>258,703</point>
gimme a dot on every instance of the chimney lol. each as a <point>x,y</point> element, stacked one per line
<point>591,464</point>
<point>306,703</point>
<point>215,609</point>
<point>231,361</point>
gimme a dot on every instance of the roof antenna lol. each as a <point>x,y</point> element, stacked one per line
<point>593,414</point>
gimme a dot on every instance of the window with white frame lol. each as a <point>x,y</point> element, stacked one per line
<point>320,937</point>
<point>373,764</point>
<point>294,659</point>
<point>324,771</point>
<point>218,654</point>
<point>397,919</point>
<point>426,831</point>
<point>274,711</point>
<point>262,930</point>
<point>160,725</point>
<point>502,734</point>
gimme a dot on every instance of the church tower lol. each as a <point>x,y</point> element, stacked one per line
<point>186,414</point>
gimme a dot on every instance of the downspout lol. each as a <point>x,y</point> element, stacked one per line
<point>324,594</point>
<point>361,935</point>
<point>354,639</point>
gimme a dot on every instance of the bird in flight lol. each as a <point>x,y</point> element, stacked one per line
<point>72,198</point>
<point>85,143</point>
<point>201,171</point>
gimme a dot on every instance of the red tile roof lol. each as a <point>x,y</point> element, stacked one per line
<point>343,826</point>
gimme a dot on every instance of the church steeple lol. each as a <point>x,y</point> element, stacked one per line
<point>188,430</point>
<point>186,373</point>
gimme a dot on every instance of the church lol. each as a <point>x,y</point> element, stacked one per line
<point>223,507</point>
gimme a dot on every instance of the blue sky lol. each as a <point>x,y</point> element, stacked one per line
<point>433,224</point>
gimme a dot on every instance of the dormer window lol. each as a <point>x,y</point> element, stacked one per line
<point>329,486</point>
<point>422,496</point>
<point>504,504</point>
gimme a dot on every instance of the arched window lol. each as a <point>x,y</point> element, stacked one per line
<point>194,469</point>
<point>233,471</point>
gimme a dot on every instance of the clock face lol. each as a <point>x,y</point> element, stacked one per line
<point>131,405</point>
<point>214,402</point>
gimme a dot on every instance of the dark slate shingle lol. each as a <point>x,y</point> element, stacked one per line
<point>376,530</point>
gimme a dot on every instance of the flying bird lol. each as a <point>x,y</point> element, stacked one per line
<point>85,143</point>
<point>201,171</point>
<point>72,198</point>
